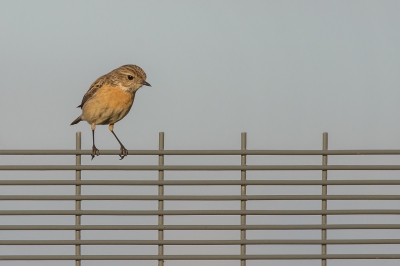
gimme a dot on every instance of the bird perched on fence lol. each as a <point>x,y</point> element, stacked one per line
<point>110,98</point>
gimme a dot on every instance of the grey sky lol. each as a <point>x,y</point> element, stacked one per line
<point>283,71</point>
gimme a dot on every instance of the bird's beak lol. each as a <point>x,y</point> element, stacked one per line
<point>146,83</point>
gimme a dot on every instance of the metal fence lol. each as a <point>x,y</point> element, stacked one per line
<point>250,215</point>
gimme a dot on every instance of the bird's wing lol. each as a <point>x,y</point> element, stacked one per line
<point>93,89</point>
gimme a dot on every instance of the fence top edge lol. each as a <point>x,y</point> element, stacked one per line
<point>206,152</point>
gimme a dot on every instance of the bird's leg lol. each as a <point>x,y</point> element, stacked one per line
<point>95,151</point>
<point>124,151</point>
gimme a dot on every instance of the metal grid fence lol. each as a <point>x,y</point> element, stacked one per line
<point>244,231</point>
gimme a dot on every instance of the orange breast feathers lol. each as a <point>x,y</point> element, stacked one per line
<point>107,106</point>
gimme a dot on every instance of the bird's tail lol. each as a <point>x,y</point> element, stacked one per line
<point>76,121</point>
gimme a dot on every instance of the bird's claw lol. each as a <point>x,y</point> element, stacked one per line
<point>124,152</point>
<point>95,152</point>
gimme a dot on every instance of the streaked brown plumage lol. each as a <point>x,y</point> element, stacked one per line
<point>110,98</point>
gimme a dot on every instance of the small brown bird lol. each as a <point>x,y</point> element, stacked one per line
<point>110,98</point>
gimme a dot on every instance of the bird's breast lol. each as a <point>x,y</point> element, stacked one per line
<point>108,105</point>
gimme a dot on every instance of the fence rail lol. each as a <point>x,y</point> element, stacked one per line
<point>252,213</point>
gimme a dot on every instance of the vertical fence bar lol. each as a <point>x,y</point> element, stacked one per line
<point>324,193</point>
<point>161,193</point>
<point>243,202</point>
<point>78,161</point>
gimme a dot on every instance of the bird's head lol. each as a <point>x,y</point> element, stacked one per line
<point>129,78</point>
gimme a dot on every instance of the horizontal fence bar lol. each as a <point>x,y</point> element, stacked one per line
<point>201,257</point>
<point>200,198</point>
<point>202,227</point>
<point>198,182</point>
<point>198,167</point>
<point>204,152</point>
<point>200,212</point>
<point>203,242</point>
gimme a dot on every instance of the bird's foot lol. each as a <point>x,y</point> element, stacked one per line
<point>95,152</point>
<point>124,152</point>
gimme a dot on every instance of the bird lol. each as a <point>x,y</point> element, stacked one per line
<point>109,99</point>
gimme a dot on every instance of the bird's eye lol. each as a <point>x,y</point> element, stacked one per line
<point>130,77</point>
